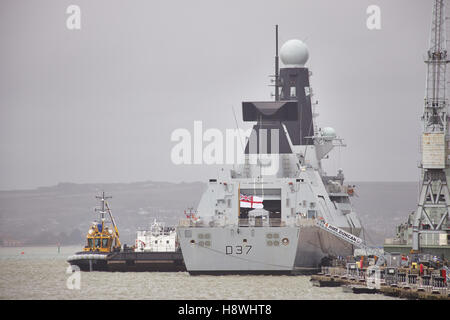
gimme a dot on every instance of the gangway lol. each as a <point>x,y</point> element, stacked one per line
<point>354,240</point>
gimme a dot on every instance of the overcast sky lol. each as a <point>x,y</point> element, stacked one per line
<point>99,104</point>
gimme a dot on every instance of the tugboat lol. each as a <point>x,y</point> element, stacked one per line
<point>101,240</point>
<point>156,249</point>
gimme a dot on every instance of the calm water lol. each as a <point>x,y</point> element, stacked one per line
<point>40,273</point>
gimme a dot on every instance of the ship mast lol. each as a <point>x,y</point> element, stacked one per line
<point>277,68</point>
<point>102,210</point>
<point>432,213</point>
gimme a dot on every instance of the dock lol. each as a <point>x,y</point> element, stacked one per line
<point>391,282</point>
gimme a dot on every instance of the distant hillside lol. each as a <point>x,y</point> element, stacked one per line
<point>63,213</point>
<point>381,206</point>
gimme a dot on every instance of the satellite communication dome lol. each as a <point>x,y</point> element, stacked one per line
<point>294,53</point>
<point>328,133</point>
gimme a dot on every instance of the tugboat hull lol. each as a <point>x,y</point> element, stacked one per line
<point>129,261</point>
<point>146,262</point>
<point>89,261</point>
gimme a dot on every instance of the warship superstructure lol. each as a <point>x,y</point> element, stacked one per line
<point>261,217</point>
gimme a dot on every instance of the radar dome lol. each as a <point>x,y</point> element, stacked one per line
<point>294,53</point>
<point>328,133</point>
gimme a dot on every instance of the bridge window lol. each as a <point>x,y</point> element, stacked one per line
<point>293,92</point>
<point>105,243</point>
<point>340,199</point>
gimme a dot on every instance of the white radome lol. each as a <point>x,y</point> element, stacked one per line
<point>328,133</point>
<point>294,53</point>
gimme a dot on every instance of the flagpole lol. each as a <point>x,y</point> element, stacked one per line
<point>239,201</point>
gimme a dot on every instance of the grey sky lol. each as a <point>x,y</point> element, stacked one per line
<point>99,104</point>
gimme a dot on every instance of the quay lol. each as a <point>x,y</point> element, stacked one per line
<point>395,282</point>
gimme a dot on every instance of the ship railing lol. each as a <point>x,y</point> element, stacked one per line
<point>425,283</point>
<point>323,270</point>
<point>195,223</point>
<point>394,241</point>
<point>207,222</point>
<point>358,275</point>
<point>335,272</point>
<point>302,222</point>
<point>243,222</point>
<point>271,222</point>
<point>159,249</point>
<point>351,271</point>
<point>412,281</point>
<point>439,285</point>
<point>402,277</point>
<point>407,280</point>
<point>432,283</point>
<point>390,280</point>
<point>383,278</point>
<point>185,223</point>
<point>361,275</point>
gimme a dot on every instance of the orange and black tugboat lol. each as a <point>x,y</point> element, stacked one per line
<point>101,240</point>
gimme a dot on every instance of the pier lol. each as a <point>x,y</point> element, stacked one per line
<point>394,282</point>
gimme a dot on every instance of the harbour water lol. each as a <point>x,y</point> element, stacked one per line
<point>40,273</point>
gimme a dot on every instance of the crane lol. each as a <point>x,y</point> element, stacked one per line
<point>432,214</point>
<point>116,231</point>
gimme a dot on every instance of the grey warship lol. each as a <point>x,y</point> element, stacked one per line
<point>260,218</point>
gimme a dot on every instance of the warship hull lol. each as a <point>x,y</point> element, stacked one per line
<point>314,245</point>
<point>243,250</point>
<point>263,250</point>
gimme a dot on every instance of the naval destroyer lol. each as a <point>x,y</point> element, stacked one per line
<point>261,217</point>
